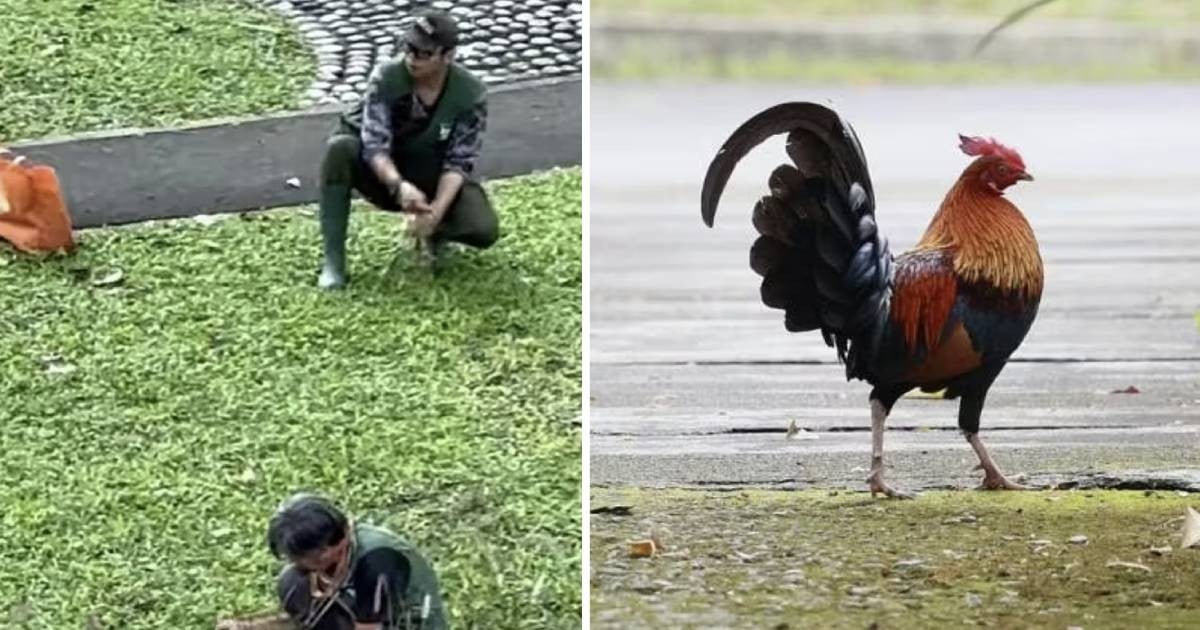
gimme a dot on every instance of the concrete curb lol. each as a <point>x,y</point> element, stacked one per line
<point>925,39</point>
<point>232,165</point>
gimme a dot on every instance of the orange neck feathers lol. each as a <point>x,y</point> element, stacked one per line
<point>988,237</point>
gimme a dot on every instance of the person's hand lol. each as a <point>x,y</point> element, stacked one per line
<point>424,222</point>
<point>411,199</point>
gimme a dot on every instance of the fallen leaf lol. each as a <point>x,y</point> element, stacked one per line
<point>56,365</point>
<point>1128,565</point>
<point>642,548</point>
<point>1128,390</point>
<point>110,279</point>
<point>792,428</point>
<point>745,557</point>
<point>1191,529</point>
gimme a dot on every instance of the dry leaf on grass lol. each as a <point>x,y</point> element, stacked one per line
<point>110,279</point>
<point>1128,565</point>
<point>646,548</point>
<point>642,548</point>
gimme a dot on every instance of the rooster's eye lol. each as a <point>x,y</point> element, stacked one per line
<point>1003,169</point>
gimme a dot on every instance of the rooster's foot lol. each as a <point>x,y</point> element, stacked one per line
<point>993,480</point>
<point>878,486</point>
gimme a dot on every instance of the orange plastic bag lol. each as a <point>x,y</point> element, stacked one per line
<point>33,215</point>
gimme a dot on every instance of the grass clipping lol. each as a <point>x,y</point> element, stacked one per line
<point>768,559</point>
<point>152,423</point>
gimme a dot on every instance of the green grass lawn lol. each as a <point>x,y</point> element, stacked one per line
<point>83,65</point>
<point>151,425</point>
<point>1139,11</point>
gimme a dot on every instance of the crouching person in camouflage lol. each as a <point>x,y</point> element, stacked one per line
<point>410,145</point>
<point>350,576</point>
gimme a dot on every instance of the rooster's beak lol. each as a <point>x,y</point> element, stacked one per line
<point>1025,176</point>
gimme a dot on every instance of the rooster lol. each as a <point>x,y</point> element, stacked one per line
<point>946,314</point>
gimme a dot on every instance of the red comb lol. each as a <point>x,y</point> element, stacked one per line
<point>976,145</point>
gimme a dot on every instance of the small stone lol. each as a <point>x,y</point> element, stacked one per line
<point>1079,539</point>
<point>973,600</point>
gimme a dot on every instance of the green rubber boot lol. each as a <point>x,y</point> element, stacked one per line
<point>335,216</point>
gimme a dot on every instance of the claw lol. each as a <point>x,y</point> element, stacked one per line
<point>876,484</point>
<point>993,480</point>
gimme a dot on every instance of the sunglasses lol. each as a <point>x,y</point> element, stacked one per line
<point>420,53</point>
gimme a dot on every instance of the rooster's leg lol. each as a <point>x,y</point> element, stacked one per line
<point>875,479</point>
<point>992,478</point>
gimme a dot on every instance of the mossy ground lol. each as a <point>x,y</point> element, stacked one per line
<point>770,559</point>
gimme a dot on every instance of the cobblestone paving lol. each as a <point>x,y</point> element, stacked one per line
<point>501,40</point>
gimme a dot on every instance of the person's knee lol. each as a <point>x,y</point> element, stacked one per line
<point>485,224</point>
<point>341,153</point>
<point>488,230</point>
